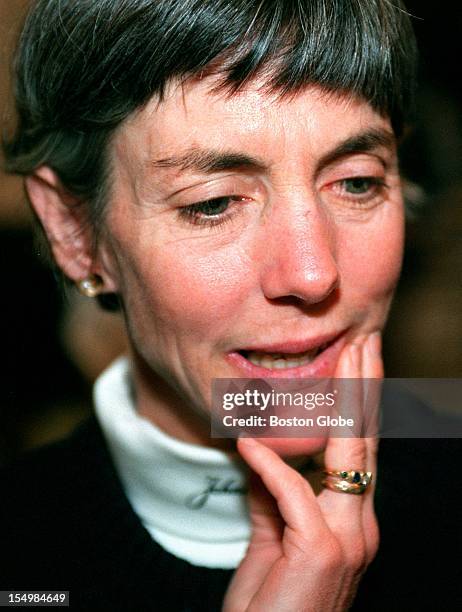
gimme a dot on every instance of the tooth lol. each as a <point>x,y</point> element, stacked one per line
<point>266,362</point>
<point>280,361</point>
<point>253,359</point>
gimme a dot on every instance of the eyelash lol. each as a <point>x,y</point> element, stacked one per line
<point>376,185</point>
<point>192,212</point>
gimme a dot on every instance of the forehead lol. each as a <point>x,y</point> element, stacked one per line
<point>251,120</point>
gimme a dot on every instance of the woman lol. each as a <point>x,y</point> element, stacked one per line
<point>227,172</point>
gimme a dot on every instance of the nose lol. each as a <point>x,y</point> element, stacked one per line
<point>298,254</point>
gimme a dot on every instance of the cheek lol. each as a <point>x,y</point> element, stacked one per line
<point>372,259</point>
<point>193,291</point>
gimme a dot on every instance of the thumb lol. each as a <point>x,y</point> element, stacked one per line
<point>266,520</point>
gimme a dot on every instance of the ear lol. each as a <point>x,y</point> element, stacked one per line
<point>65,221</point>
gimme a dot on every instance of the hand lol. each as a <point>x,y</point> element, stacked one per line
<point>308,553</point>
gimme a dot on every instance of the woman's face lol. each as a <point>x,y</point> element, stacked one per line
<point>249,237</point>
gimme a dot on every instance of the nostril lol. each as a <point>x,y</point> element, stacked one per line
<point>309,278</point>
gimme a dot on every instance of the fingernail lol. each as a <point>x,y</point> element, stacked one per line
<point>374,344</point>
<point>247,441</point>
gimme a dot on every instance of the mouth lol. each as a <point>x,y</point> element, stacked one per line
<point>282,361</point>
<point>310,358</point>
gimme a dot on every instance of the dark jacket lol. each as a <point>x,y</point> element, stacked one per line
<point>65,524</point>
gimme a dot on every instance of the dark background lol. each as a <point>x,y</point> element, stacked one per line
<point>53,347</point>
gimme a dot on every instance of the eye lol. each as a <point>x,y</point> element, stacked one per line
<point>211,208</point>
<point>359,192</point>
<point>210,212</point>
<point>361,185</point>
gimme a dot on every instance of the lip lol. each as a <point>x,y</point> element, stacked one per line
<point>322,366</point>
<point>294,346</point>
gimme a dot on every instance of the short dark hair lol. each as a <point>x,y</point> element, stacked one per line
<point>83,66</point>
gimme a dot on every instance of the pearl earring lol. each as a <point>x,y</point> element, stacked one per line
<point>90,286</point>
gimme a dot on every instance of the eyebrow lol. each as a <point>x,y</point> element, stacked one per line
<point>208,161</point>
<point>364,142</point>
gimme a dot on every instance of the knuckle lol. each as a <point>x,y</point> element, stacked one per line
<point>332,556</point>
<point>356,556</point>
<point>373,540</point>
<point>353,451</point>
<point>296,483</point>
<point>357,454</point>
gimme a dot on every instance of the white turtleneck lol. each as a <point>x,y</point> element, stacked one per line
<point>191,499</point>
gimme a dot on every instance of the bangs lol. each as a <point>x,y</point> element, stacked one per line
<point>340,46</point>
<point>108,57</point>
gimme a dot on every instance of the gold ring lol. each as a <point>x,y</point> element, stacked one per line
<point>347,481</point>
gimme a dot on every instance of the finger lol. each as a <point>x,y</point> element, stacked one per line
<point>342,511</point>
<point>294,496</point>
<point>348,380</point>
<point>372,356</point>
<point>346,453</point>
<point>264,546</point>
<point>372,373</point>
<point>267,523</point>
<point>372,369</point>
<point>372,366</point>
